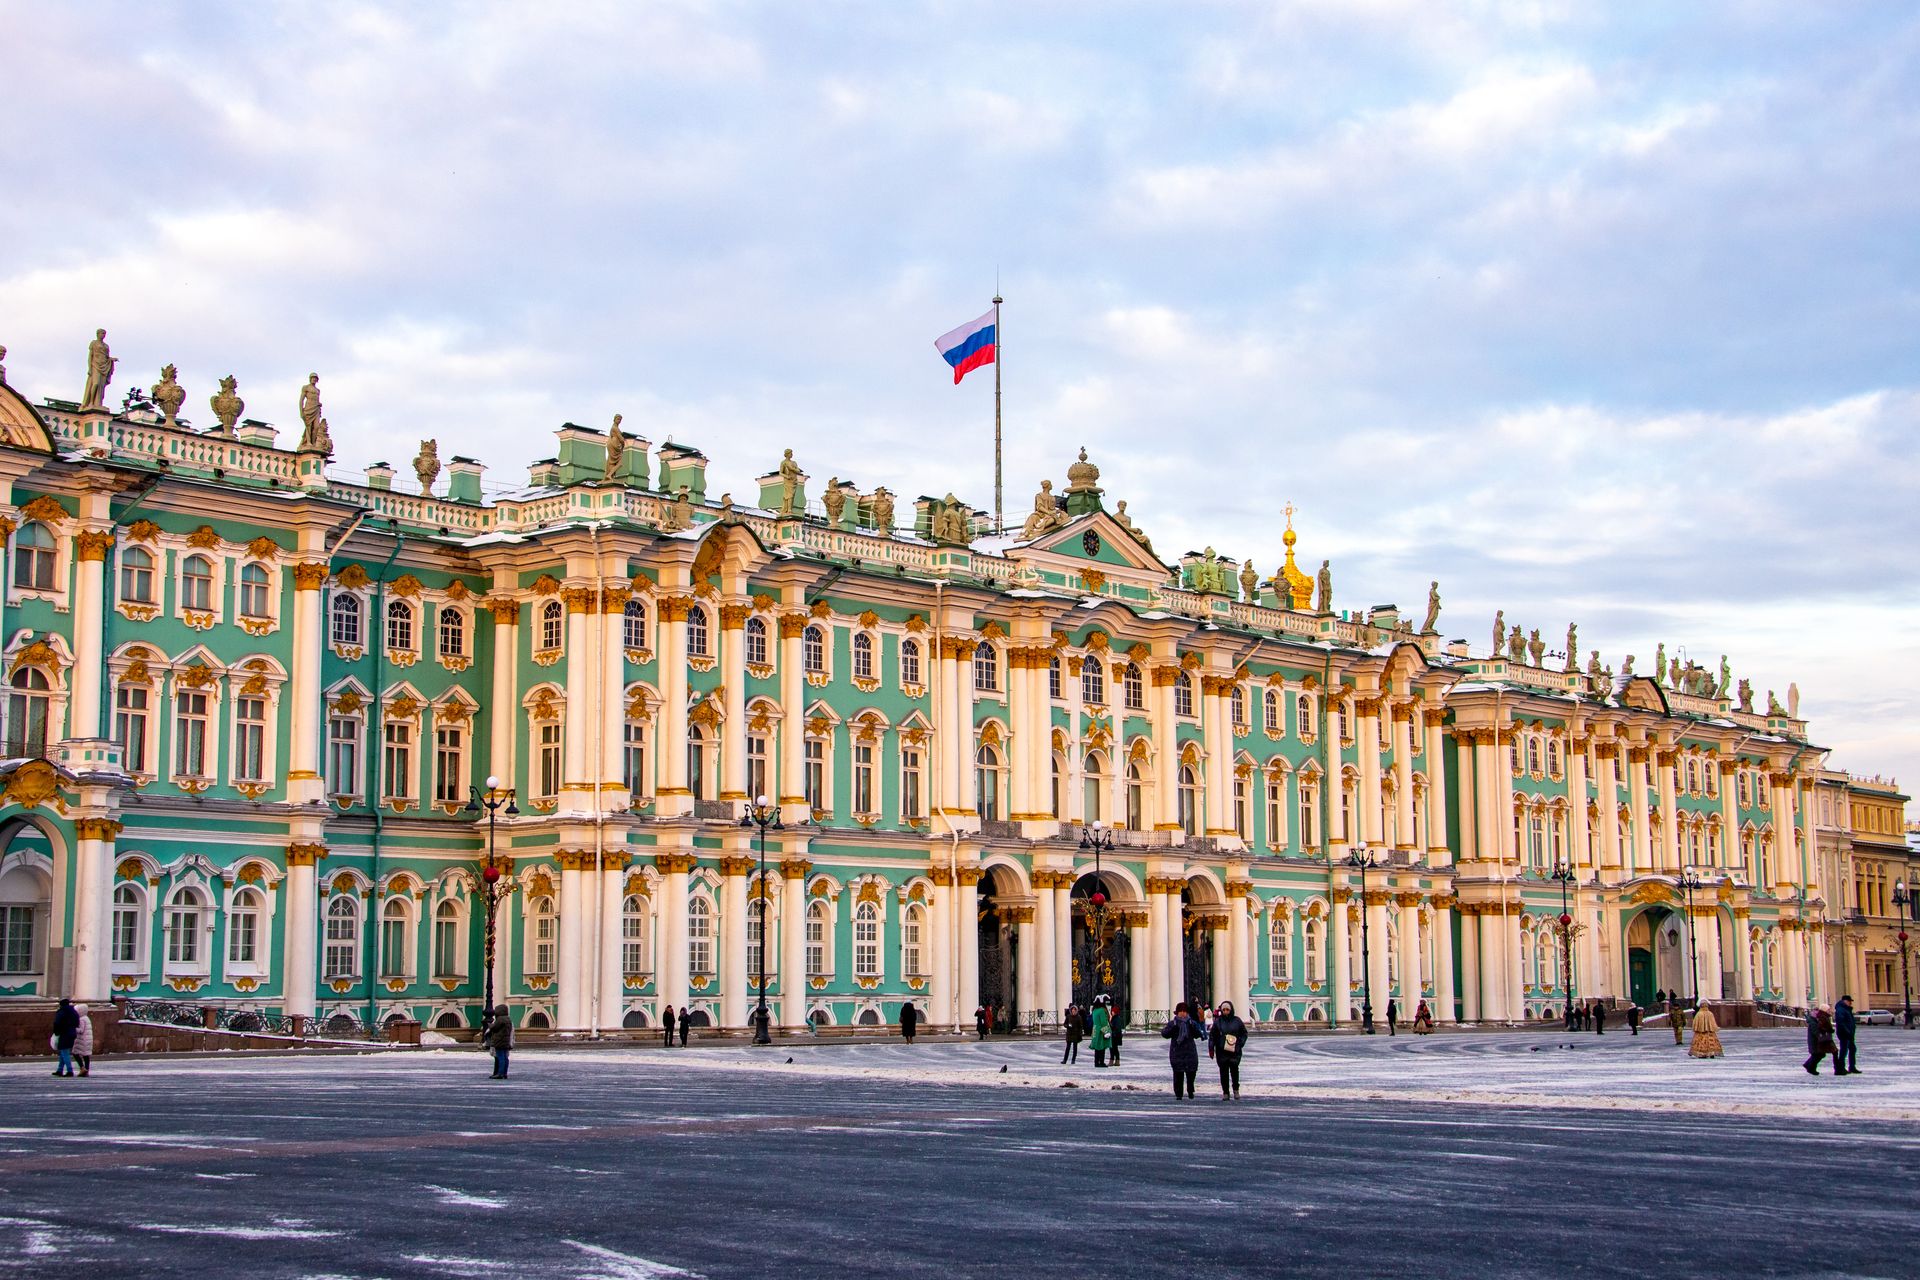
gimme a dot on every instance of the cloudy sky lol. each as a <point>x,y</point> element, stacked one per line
<point>1595,313</point>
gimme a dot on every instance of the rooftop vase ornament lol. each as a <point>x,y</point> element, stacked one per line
<point>1536,647</point>
<point>227,406</point>
<point>426,464</point>
<point>883,511</point>
<point>1746,695</point>
<point>169,395</point>
<point>835,500</point>
<point>1249,583</point>
<point>1516,645</point>
<point>100,364</point>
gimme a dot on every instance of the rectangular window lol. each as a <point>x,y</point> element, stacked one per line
<point>1308,839</point>
<point>242,937</point>
<point>183,935</point>
<point>126,933</point>
<point>399,760</point>
<point>449,763</point>
<point>910,774</point>
<point>393,948</point>
<point>1277,813</point>
<point>250,740</point>
<point>816,944</point>
<point>862,778</point>
<point>446,948</point>
<point>16,940</point>
<point>190,734</point>
<point>910,943</point>
<point>1242,813</point>
<point>633,766</point>
<point>130,703</point>
<point>549,761</point>
<point>757,768</point>
<point>343,756</point>
<point>816,790</point>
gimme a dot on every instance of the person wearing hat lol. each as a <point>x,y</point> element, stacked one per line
<point>1102,1036</point>
<point>500,1040</point>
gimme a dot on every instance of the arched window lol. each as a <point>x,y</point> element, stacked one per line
<point>699,935</point>
<point>253,591</point>
<point>757,642</point>
<point>636,949</point>
<point>553,625</point>
<point>866,940</point>
<point>697,762</point>
<point>1303,721</point>
<point>33,554</point>
<point>1183,695</point>
<point>543,936</point>
<point>1057,788</point>
<point>1053,677</point>
<point>910,662</point>
<point>1237,707</point>
<point>697,632</point>
<point>633,628</point>
<point>196,583</point>
<point>1136,796</point>
<point>29,710</point>
<point>396,940</point>
<point>813,650</point>
<point>817,938</point>
<point>1093,683</point>
<point>756,937</point>
<point>1309,794</point>
<point>758,774</point>
<point>1242,808</point>
<point>346,621</point>
<point>136,575</point>
<point>1092,787</point>
<point>400,626</point>
<point>129,926</point>
<point>1280,951</point>
<point>449,951</point>
<point>1315,934</point>
<point>243,928</point>
<point>1270,701</point>
<point>342,951</point>
<point>1133,689</point>
<point>1533,753</point>
<point>1553,757</point>
<point>1189,799</point>
<point>1344,724</point>
<point>185,917</point>
<point>862,656</point>
<point>913,932</point>
<point>986,668</point>
<point>453,633</point>
<point>987,782</point>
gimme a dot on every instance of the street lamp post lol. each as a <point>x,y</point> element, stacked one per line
<point>1903,898</point>
<point>1097,840</point>
<point>762,814</point>
<point>1564,873</point>
<point>495,801</point>
<point>1365,860</point>
<point>1688,883</point>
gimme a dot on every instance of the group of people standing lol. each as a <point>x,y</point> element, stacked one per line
<point>72,1039</point>
<point>1096,1023</point>
<point>1223,1032</point>
<point>668,1023</point>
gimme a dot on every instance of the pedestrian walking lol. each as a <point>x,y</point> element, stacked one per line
<point>1073,1027</point>
<point>1393,1016</point>
<point>686,1025</point>
<point>1183,1035</point>
<point>1706,1036</point>
<point>1226,1041</point>
<point>909,1021</point>
<point>66,1026</point>
<point>1102,1029</point>
<point>666,1025</point>
<point>83,1041</point>
<point>1673,1015</point>
<point>499,1039</point>
<point>980,1023</point>
<point>1119,1034</point>
<point>1846,1027</point>
<point>1422,1019</point>
<point>1633,1018</point>
<point>1600,1019</point>
<point>1819,1039</point>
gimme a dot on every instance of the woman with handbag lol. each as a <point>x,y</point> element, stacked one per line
<point>1225,1044</point>
<point>1183,1050</point>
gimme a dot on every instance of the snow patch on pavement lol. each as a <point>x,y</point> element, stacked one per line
<point>462,1200</point>
<point>615,1265</point>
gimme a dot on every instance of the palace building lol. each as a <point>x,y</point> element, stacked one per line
<point>251,709</point>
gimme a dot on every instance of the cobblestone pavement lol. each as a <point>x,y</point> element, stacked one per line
<point>641,1163</point>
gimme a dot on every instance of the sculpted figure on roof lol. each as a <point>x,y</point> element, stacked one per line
<point>100,363</point>
<point>1047,515</point>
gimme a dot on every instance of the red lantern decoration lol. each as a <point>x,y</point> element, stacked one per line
<point>1100,899</point>
<point>1565,919</point>
<point>1903,935</point>
<point>490,873</point>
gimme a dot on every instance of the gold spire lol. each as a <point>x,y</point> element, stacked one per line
<point>1298,592</point>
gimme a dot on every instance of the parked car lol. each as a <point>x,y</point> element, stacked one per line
<point>1876,1017</point>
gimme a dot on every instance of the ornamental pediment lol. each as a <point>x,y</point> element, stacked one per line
<point>1096,540</point>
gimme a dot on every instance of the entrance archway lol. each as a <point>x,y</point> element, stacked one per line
<point>29,854</point>
<point>999,941</point>
<point>1103,957</point>
<point>1656,955</point>
<point>1200,910</point>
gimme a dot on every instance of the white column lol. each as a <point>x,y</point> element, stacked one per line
<point>1042,958</point>
<point>570,1006</point>
<point>1027,972</point>
<point>1337,934</point>
<point>733,742</point>
<point>1026,725</point>
<point>733,933</point>
<point>613,978</point>
<point>1222,969</point>
<point>793,942</point>
<point>1239,981</point>
<point>1442,964</point>
<point>1376,947</point>
<point>672,981</point>
<point>579,777</point>
<point>1470,1006</point>
<point>1409,904</point>
<point>83,706</point>
<point>308,720</point>
<point>1073,806</point>
<point>1144,964</point>
<point>793,733</point>
<point>942,1008</point>
<point>1368,711</point>
<point>507,721</point>
<point>1706,945</point>
<point>299,978</point>
<point>1730,819</point>
<point>1403,730</point>
<point>673,798</point>
<point>969,914</point>
<point>92,979</point>
<point>1607,800</point>
<point>962,737</point>
<point>1155,959</point>
<point>1642,861</point>
<point>1063,941</point>
<point>1669,811</point>
<point>1438,854</point>
<point>1577,829</point>
<point>1469,806</point>
<point>1166,752</point>
<point>1742,958</point>
<point>1217,734</point>
<point>1176,939</point>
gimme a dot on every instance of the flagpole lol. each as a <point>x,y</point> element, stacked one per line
<point>999,514</point>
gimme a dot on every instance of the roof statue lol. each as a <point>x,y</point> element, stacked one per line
<point>169,395</point>
<point>426,464</point>
<point>314,438</point>
<point>227,406</point>
<point>1626,668</point>
<point>882,502</point>
<point>679,515</point>
<point>1325,603</point>
<point>1125,521</point>
<point>3,366</point>
<point>1573,647</point>
<point>1660,663</point>
<point>789,483</point>
<point>1249,583</point>
<point>835,500</point>
<point>1673,672</point>
<point>1773,705</point>
<point>616,448</point>
<point>1726,678</point>
<point>1047,515</point>
<point>1499,632</point>
<point>950,523</point>
<point>1208,575</point>
<point>1432,621</point>
<point>100,363</point>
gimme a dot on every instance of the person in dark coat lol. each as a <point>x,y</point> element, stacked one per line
<point>1673,1015</point>
<point>1393,1016</point>
<point>499,1039</point>
<point>1633,1018</point>
<point>1226,1041</point>
<point>1600,1019</point>
<point>1119,1033</point>
<point>666,1024</point>
<point>686,1025</point>
<point>1819,1040</point>
<point>1074,1028</point>
<point>1183,1050</point>
<point>909,1021</point>
<point>66,1026</point>
<point>1845,1027</point>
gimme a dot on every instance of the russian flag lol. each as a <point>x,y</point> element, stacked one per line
<point>968,347</point>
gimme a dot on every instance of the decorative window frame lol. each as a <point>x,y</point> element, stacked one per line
<point>642,652</point>
<point>351,581</point>
<point>874,648</point>
<point>51,656</point>
<point>141,536</point>
<point>46,511</point>
<point>708,659</point>
<point>352,888</point>
<point>189,975</point>
<point>347,700</point>
<point>140,873</point>
<point>822,675</point>
<point>250,875</point>
<point>760,668</point>
<point>204,543</point>
<point>544,704</point>
<point>260,677</point>
<point>197,670</point>
<point>455,707</point>
<point>403,704</point>
<point>544,654</point>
